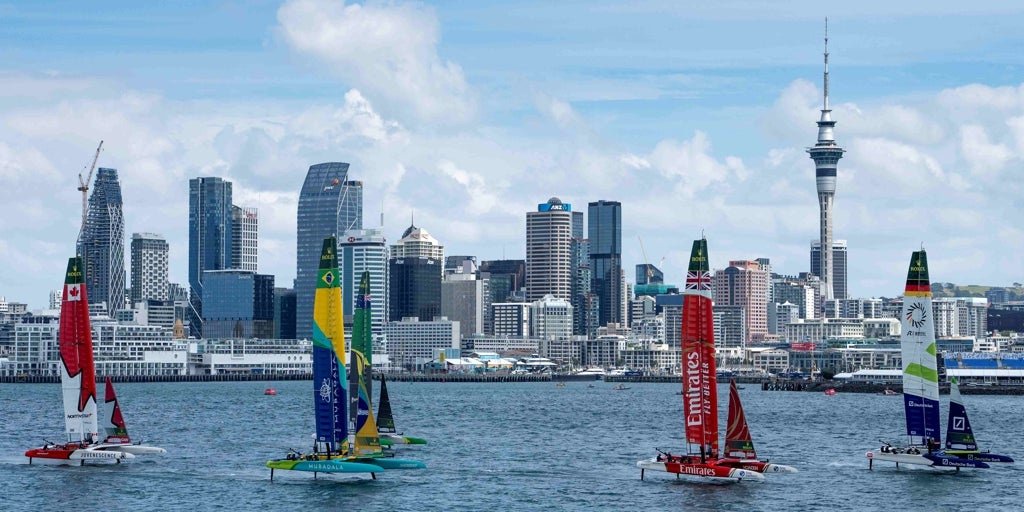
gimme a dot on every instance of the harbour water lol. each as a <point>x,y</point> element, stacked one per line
<point>512,446</point>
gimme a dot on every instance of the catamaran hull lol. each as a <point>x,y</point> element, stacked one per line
<point>134,449</point>
<point>77,454</point>
<point>390,463</point>
<point>757,465</point>
<point>702,472</point>
<point>927,459</point>
<point>324,466</point>
<point>981,456</point>
<point>397,439</point>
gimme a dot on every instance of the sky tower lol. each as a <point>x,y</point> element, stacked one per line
<point>826,154</point>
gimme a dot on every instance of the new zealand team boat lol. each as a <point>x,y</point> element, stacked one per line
<point>700,395</point>
<point>920,381</point>
<point>78,384</point>
<point>338,447</point>
<point>960,441</point>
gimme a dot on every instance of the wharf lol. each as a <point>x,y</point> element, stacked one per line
<point>864,387</point>
<point>677,379</point>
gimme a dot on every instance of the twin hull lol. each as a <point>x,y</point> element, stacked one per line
<point>706,471</point>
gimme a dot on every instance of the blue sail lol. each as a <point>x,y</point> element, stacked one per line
<point>959,435</point>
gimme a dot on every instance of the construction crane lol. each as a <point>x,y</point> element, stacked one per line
<point>647,265</point>
<point>83,184</point>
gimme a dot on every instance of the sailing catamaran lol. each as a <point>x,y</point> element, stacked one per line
<point>739,445</point>
<point>386,421</point>
<point>960,440</point>
<point>920,380</point>
<point>700,395</point>
<point>78,383</point>
<point>337,447</point>
<point>117,430</point>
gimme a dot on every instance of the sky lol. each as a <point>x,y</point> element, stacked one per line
<point>694,115</point>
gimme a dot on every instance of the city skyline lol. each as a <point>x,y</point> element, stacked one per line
<point>694,118</point>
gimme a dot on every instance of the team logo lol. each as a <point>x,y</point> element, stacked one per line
<point>916,315</point>
<point>325,391</point>
<point>958,423</point>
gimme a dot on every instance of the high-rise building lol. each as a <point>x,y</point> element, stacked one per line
<point>511,318</point>
<point>839,266</point>
<point>415,267</point>
<point>745,283</point>
<point>209,239</point>
<point>548,250</point>
<point>365,250</point>
<point>551,318</point>
<point>826,154</point>
<point>604,226</point>
<point>238,304</point>
<point>284,313</point>
<point>149,268</point>
<point>329,205</point>
<point>101,242</point>
<point>244,238</point>
<point>505,279</point>
<point>585,306</point>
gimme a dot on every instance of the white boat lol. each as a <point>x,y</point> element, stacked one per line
<point>593,371</point>
<point>78,384</point>
<point>920,380</point>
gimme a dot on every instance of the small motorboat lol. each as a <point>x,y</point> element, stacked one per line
<point>560,385</point>
<point>270,391</point>
<point>620,387</point>
<point>888,392</point>
<point>830,392</point>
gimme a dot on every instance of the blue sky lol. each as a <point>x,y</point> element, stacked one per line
<point>470,113</point>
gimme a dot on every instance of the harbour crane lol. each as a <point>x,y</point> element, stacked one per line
<point>83,184</point>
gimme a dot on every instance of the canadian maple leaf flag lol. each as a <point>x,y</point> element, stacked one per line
<point>74,292</point>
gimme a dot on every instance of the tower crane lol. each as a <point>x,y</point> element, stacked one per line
<point>83,185</point>
<point>647,265</point>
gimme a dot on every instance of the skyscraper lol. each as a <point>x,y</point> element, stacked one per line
<point>745,283</point>
<point>149,268</point>
<point>839,257</point>
<point>101,243</point>
<point>548,250</point>
<point>415,264</point>
<point>329,205</point>
<point>604,225</point>
<point>209,239</point>
<point>244,238</point>
<point>826,154</point>
<point>364,250</point>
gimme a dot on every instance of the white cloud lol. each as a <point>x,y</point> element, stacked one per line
<point>690,165</point>
<point>983,157</point>
<point>388,50</point>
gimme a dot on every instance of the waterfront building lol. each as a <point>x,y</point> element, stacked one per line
<point>798,292</point>
<point>244,238</point>
<point>511,319</point>
<point>604,227</point>
<point>56,297</point>
<point>730,326</point>
<point>411,343</point>
<point>818,329</point>
<point>657,358</point>
<point>150,268</point>
<point>463,298</point>
<point>101,241</point>
<point>209,239</point>
<point>415,268</point>
<point>745,283</point>
<point>501,344</point>
<point>329,205</point>
<point>284,313</point>
<point>839,266</point>
<point>826,154</point>
<point>365,250</point>
<point>551,318</point>
<point>238,304</point>
<point>548,250</point>
<point>160,313</point>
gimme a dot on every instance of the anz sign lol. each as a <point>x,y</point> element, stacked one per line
<point>548,207</point>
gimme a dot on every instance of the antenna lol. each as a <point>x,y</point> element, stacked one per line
<point>826,63</point>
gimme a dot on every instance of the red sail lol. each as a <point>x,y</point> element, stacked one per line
<point>700,394</point>
<point>116,419</point>
<point>738,442</point>
<point>75,337</point>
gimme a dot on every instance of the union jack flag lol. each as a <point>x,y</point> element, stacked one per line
<point>699,280</point>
